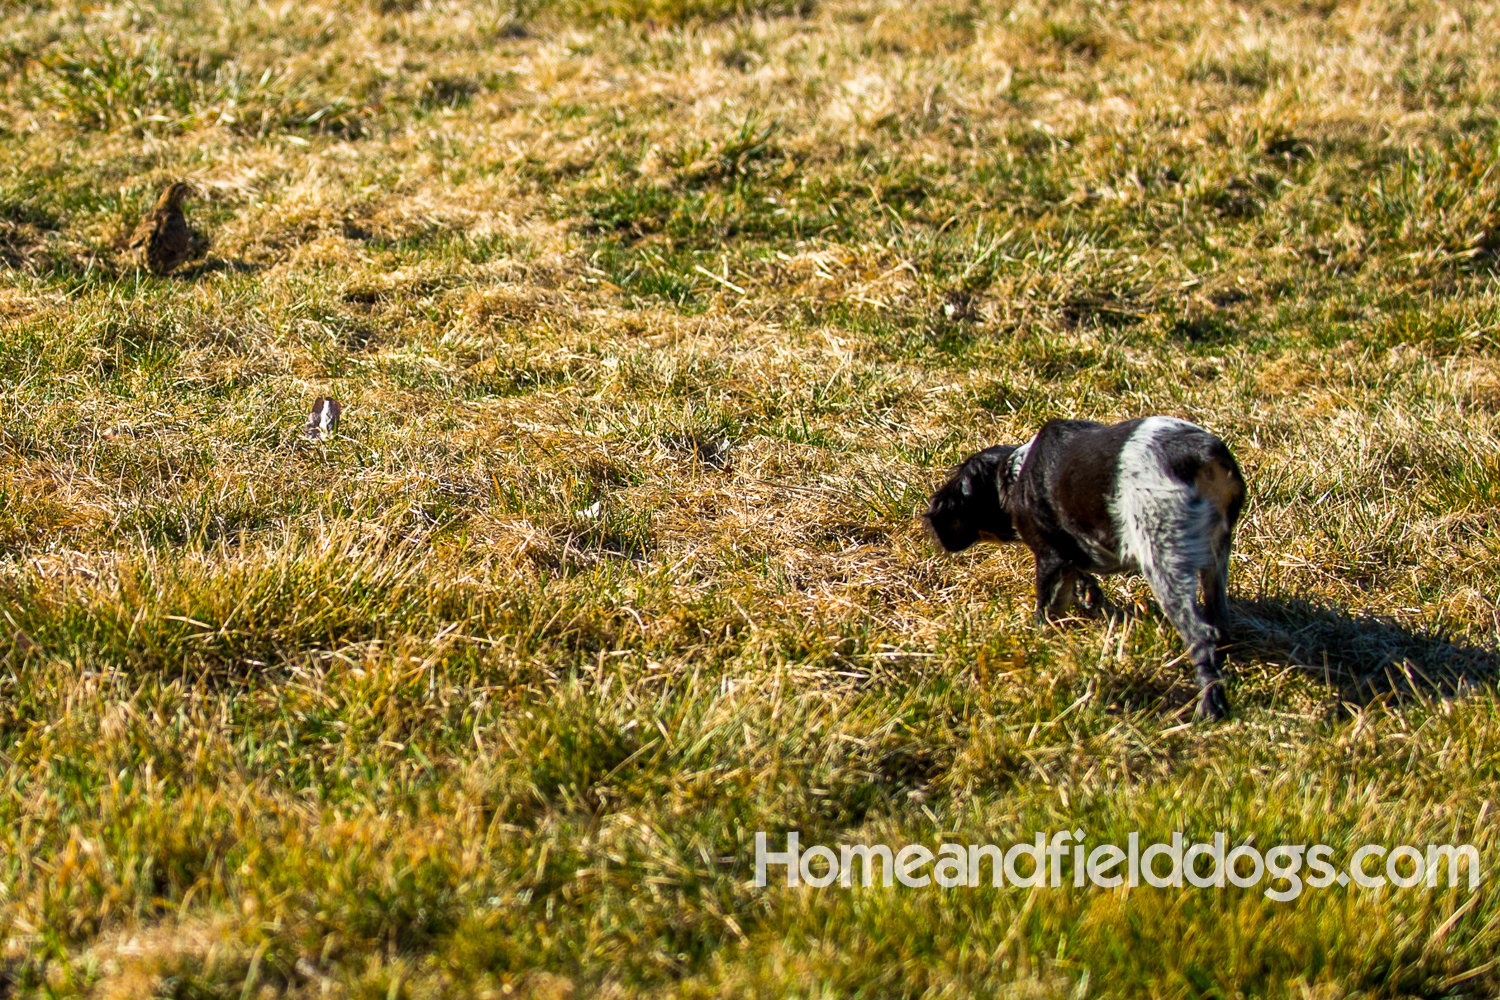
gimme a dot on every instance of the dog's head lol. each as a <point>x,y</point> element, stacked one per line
<point>969,507</point>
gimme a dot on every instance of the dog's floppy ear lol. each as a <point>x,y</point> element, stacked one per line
<point>967,507</point>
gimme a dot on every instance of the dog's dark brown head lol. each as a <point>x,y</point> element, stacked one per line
<point>968,507</point>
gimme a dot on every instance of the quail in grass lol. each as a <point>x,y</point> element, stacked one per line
<point>163,238</point>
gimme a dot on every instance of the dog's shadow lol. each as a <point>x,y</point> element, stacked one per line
<point>1361,658</point>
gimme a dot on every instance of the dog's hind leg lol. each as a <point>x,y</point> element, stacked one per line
<point>1216,591</point>
<point>1221,491</point>
<point>1178,595</point>
<point>1177,556</point>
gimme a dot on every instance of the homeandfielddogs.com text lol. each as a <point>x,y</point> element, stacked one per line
<point>1063,858</point>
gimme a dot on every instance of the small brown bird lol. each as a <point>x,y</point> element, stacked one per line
<point>324,421</point>
<point>163,237</point>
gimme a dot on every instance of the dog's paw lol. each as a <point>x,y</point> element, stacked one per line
<point>1091,595</point>
<point>1214,705</point>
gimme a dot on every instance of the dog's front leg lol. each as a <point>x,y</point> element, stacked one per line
<point>1054,581</point>
<point>1090,594</point>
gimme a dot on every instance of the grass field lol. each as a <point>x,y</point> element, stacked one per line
<point>654,321</point>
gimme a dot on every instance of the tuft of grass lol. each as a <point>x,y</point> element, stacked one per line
<point>151,86</point>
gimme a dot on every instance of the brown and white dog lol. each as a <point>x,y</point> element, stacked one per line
<point>1156,496</point>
